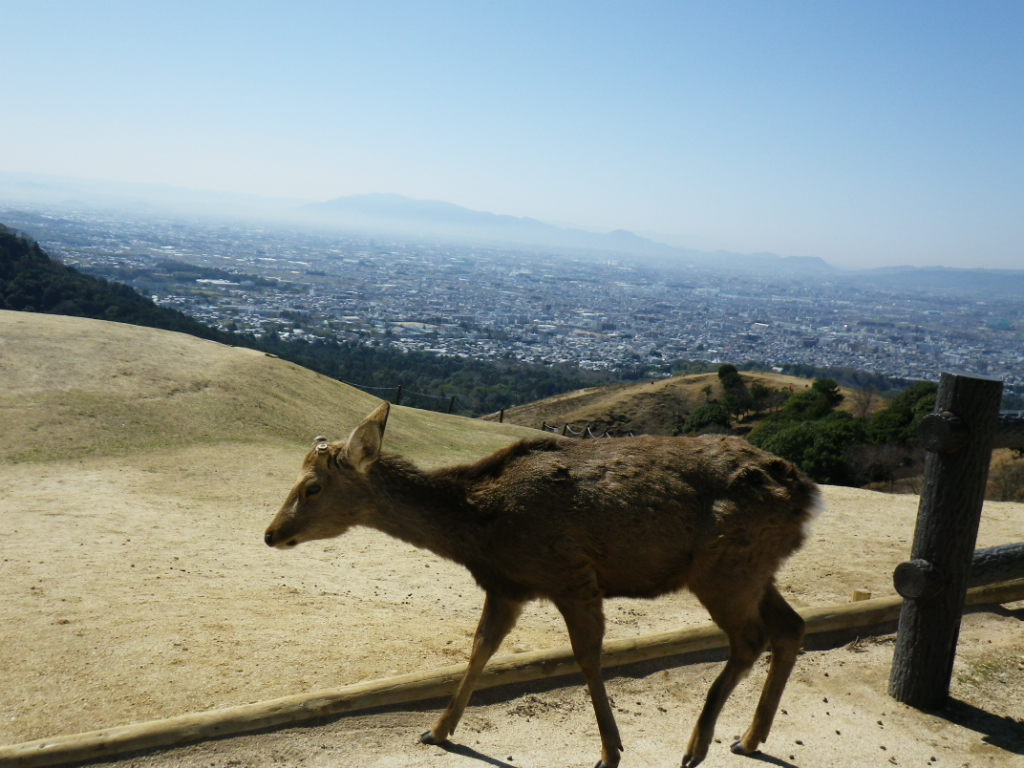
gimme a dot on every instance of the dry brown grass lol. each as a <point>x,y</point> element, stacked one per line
<point>1006,476</point>
<point>88,388</point>
<point>649,407</point>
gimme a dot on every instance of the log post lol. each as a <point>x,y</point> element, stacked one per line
<point>958,437</point>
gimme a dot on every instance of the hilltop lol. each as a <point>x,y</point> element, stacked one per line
<point>98,388</point>
<point>650,407</point>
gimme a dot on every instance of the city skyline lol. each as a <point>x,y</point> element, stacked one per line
<point>865,134</point>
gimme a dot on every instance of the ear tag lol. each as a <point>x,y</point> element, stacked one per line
<point>322,449</point>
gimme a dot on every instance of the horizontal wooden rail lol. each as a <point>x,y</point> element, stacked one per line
<point>109,743</point>
<point>996,564</point>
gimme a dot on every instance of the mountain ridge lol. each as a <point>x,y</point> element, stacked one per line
<point>393,212</point>
<point>151,199</point>
<point>75,195</point>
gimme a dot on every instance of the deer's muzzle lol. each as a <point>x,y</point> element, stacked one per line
<point>273,539</point>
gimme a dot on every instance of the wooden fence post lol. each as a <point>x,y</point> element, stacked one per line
<point>958,437</point>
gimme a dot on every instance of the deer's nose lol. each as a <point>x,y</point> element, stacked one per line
<point>268,537</point>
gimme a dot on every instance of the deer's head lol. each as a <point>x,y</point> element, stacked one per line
<point>333,492</point>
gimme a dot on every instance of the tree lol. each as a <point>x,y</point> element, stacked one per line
<point>729,376</point>
<point>820,447</point>
<point>764,398</point>
<point>829,390</point>
<point>807,405</point>
<point>707,418</point>
<point>737,398</point>
<point>863,400</point>
<point>900,421</point>
<point>811,433</point>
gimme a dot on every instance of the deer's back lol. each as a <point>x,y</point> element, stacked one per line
<point>638,515</point>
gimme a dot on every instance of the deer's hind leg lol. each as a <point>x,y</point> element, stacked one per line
<point>736,612</point>
<point>785,630</point>
<point>497,619</point>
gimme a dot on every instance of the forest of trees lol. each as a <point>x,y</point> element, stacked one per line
<point>31,281</point>
<point>834,446</point>
<point>879,450</point>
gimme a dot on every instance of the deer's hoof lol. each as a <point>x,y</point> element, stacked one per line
<point>692,761</point>
<point>427,737</point>
<point>737,748</point>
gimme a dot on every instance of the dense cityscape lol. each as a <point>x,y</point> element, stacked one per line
<point>486,302</point>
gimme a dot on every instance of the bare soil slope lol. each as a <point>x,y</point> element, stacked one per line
<point>139,471</point>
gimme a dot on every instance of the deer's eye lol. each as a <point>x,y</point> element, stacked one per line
<point>313,489</point>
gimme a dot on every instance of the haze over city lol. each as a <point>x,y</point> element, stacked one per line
<point>866,134</point>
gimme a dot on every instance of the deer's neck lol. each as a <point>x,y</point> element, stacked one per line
<point>426,509</point>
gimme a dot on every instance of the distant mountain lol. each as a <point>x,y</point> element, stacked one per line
<point>938,281</point>
<point>396,213</point>
<point>388,206</point>
<point>386,214</point>
<point>21,189</point>
<point>431,218</point>
<point>391,214</point>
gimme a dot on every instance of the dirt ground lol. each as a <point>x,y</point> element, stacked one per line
<point>138,588</point>
<point>835,713</point>
<point>134,585</point>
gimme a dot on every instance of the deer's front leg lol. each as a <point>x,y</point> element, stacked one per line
<point>498,618</point>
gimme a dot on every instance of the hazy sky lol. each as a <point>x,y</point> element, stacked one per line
<point>866,133</point>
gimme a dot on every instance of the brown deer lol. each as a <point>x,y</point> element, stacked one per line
<point>576,521</point>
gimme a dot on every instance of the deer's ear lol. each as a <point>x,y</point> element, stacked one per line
<point>363,447</point>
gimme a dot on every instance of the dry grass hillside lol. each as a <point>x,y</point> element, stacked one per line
<point>88,388</point>
<point>650,407</point>
<point>139,469</point>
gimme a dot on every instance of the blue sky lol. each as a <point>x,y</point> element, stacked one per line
<point>866,133</point>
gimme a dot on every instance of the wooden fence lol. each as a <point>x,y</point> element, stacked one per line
<point>586,432</point>
<point>959,438</point>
